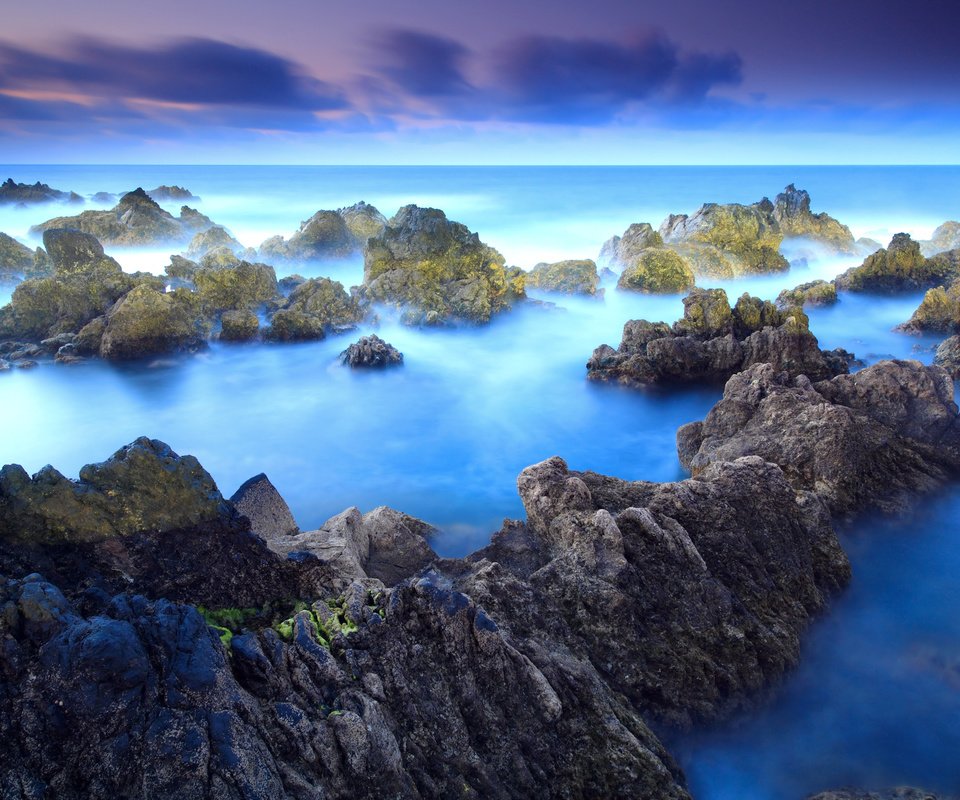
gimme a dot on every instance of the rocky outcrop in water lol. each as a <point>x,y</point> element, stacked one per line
<point>437,271</point>
<point>901,267</point>
<point>938,311</point>
<point>565,277</point>
<point>15,258</point>
<point>12,193</point>
<point>213,238</point>
<point>164,194</point>
<point>327,234</point>
<point>945,237</point>
<point>622,251</point>
<point>147,322</point>
<point>791,210</point>
<point>239,326</point>
<point>313,309</point>
<point>872,439</point>
<point>813,293</point>
<point>234,286</point>
<point>371,352</point>
<point>137,220</point>
<point>657,270</point>
<point>712,342</point>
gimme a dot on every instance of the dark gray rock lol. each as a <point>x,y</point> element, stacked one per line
<point>948,356</point>
<point>371,351</point>
<point>260,502</point>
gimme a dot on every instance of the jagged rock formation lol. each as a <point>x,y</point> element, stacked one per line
<point>328,234</point>
<point>791,210</point>
<point>371,351</point>
<point>565,277</point>
<point>713,342</point>
<point>135,220</point>
<point>212,238</point>
<point>437,270</point>
<point>622,251</point>
<point>871,439</point>
<point>26,194</point>
<point>900,793</point>
<point>313,309</point>
<point>166,193</point>
<point>945,237</point>
<point>901,267</point>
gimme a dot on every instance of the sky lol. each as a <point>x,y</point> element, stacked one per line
<point>494,82</point>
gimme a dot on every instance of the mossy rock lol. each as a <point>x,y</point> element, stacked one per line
<point>900,267</point>
<point>657,271</point>
<point>792,213</point>
<point>292,325</point>
<point>241,286</point>
<point>438,269</point>
<point>938,311</point>
<point>945,237</point>
<point>747,232</point>
<point>76,253</point>
<point>621,251</point>
<point>182,268</point>
<point>325,235</point>
<point>706,314</point>
<point>752,314</point>
<point>15,258</point>
<point>147,322</point>
<point>211,239</point>
<point>708,261</point>
<point>814,293</point>
<point>363,221</point>
<point>239,326</point>
<point>327,301</point>
<point>565,277</point>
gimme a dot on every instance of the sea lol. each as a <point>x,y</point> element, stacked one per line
<point>875,701</point>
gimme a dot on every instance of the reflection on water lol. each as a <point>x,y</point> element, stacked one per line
<point>876,698</point>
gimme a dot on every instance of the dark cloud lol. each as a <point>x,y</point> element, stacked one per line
<point>196,71</point>
<point>422,64</point>
<point>551,79</point>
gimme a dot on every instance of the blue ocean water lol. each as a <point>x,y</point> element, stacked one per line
<point>445,436</point>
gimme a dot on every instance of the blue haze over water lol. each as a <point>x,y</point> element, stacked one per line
<point>876,700</point>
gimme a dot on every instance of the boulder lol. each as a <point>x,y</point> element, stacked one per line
<point>73,252</point>
<point>239,326</point>
<point>621,251</point>
<point>901,267</point>
<point>872,439</point>
<point>565,277</point>
<point>15,258</point>
<point>371,351</point>
<point>325,235</point>
<point>235,287</point>
<point>938,311</point>
<point>136,220</point>
<point>293,325</point>
<point>326,301</point>
<point>438,270</point>
<point>164,193</point>
<point>813,293</point>
<point>181,268</point>
<point>363,221</point>
<point>147,322</point>
<point>657,271</point>
<point>791,210</point>
<point>210,239</point>
<point>260,502</point>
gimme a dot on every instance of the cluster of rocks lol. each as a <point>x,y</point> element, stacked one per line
<point>713,341</point>
<point>193,646</point>
<point>720,241</point>
<point>24,194</point>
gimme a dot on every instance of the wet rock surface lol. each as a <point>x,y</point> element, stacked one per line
<point>371,351</point>
<point>437,270</point>
<point>713,342</point>
<point>565,277</point>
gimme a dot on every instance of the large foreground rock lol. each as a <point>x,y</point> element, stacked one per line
<point>712,342</point>
<point>437,270</point>
<point>868,440</point>
<point>135,220</point>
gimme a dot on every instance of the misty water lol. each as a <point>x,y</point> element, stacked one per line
<point>875,701</point>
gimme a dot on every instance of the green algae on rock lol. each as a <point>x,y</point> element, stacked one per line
<point>240,285</point>
<point>657,271</point>
<point>438,270</point>
<point>901,267</point>
<point>149,322</point>
<point>791,210</point>
<point>239,326</point>
<point>566,277</point>
<point>938,311</point>
<point>813,293</point>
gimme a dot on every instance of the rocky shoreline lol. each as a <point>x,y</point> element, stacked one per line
<point>196,651</point>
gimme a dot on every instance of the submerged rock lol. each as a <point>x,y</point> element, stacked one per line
<point>901,267</point>
<point>712,342</point>
<point>900,793</point>
<point>438,270</point>
<point>371,351</point>
<point>566,277</point>
<point>868,440</point>
<point>135,220</point>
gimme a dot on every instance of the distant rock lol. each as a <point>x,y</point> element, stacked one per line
<point>210,239</point>
<point>437,270</point>
<point>136,220</point>
<point>371,351</point>
<point>163,194</point>
<point>327,234</point>
<point>147,322</point>
<point>945,237</point>
<point>901,267</point>
<point>872,439</point>
<point>712,342</point>
<point>791,210</point>
<point>260,502</point>
<point>814,293</point>
<point>27,194</point>
<point>565,277</point>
